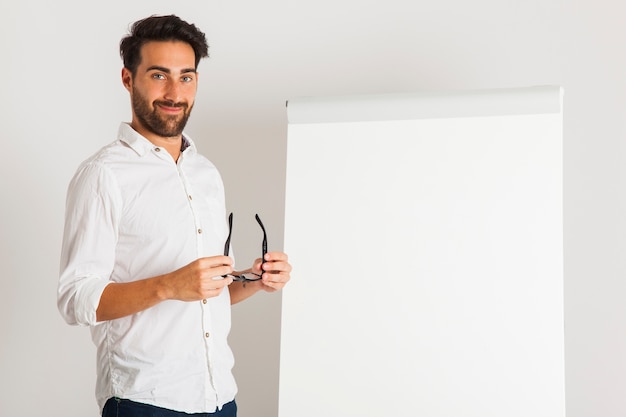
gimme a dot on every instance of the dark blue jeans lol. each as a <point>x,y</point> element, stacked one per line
<point>117,407</point>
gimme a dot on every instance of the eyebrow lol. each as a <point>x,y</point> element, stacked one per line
<point>168,71</point>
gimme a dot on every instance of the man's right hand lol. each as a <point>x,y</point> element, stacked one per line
<point>200,279</point>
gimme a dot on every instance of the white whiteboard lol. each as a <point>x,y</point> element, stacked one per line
<point>426,236</point>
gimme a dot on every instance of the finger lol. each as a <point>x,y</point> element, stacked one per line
<point>275,285</point>
<point>216,273</point>
<point>276,277</point>
<point>272,286</point>
<point>276,256</point>
<point>218,281</point>
<point>216,284</point>
<point>276,267</point>
<point>215,261</point>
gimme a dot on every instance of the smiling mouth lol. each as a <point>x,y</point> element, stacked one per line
<point>170,107</point>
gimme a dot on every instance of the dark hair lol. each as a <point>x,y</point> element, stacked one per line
<point>160,28</point>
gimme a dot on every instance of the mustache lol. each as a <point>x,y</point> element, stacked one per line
<point>167,103</point>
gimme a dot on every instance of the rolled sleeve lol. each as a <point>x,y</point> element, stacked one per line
<point>79,301</point>
<point>89,239</point>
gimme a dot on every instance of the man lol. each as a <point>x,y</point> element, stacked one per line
<point>145,231</point>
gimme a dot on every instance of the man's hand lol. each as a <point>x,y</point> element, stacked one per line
<point>200,279</point>
<point>276,271</point>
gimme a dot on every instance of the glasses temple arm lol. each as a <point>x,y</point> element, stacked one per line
<point>230,231</point>
<point>264,249</point>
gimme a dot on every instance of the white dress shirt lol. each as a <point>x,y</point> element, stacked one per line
<point>132,212</point>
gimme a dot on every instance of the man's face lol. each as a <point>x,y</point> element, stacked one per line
<point>163,89</point>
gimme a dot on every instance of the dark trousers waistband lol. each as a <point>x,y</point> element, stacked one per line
<point>118,407</point>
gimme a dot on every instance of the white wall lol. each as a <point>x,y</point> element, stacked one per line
<point>62,99</point>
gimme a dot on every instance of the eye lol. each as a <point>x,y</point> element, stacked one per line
<point>187,79</point>
<point>158,76</point>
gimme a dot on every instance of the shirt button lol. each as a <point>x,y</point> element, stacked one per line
<point>189,196</point>
<point>157,149</point>
<point>204,301</point>
<point>206,335</point>
<point>199,231</point>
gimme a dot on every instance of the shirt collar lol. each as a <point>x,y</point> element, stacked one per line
<point>141,145</point>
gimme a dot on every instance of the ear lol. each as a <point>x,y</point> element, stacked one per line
<point>127,78</point>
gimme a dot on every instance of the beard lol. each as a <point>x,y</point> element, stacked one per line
<point>161,125</point>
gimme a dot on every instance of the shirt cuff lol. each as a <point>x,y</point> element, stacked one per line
<point>87,300</point>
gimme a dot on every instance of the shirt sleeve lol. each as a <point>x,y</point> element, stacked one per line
<point>92,213</point>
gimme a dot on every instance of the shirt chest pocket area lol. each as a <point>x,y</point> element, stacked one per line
<point>158,214</point>
<point>211,221</point>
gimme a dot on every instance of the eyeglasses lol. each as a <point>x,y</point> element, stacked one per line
<point>249,276</point>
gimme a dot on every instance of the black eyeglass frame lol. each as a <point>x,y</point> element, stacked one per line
<point>248,276</point>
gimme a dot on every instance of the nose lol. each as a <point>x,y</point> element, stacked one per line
<point>172,91</point>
